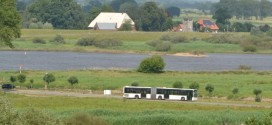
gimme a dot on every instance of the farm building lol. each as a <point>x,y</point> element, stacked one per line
<point>207,25</point>
<point>186,26</point>
<point>110,21</point>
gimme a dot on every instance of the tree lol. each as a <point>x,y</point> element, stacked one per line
<point>173,11</point>
<point>194,85</point>
<point>155,64</point>
<point>10,21</point>
<point>72,80</point>
<point>235,91</point>
<point>152,18</point>
<point>126,26</point>
<point>31,83</point>
<point>209,88</point>
<point>116,4</point>
<point>13,79</point>
<point>177,84</point>
<point>21,78</point>
<point>61,14</point>
<point>48,78</point>
<point>257,92</point>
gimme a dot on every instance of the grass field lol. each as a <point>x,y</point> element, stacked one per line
<point>138,112</point>
<point>223,82</point>
<point>132,41</point>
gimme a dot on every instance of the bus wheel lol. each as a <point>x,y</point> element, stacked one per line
<point>182,99</point>
<point>159,98</point>
<point>136,97</point>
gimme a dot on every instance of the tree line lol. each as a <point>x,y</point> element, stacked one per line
<point>69,14</point>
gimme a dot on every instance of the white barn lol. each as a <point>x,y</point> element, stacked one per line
<point>110,21</point>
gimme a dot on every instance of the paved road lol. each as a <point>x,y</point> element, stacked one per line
<point>90,94</point>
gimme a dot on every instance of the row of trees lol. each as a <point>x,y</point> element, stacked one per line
<point>48,78</point>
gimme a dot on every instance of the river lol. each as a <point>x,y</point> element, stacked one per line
<point>36,60</point>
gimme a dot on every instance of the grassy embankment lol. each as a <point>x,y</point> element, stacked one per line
<point>223,82</point>
<point>132,41</point>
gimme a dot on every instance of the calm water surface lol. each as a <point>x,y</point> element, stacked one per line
<point>33,60</point>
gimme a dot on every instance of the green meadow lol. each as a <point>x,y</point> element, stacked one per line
<point>223,82</point>
<point>132,41</point>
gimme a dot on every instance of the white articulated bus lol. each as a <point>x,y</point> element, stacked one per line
<point>159,93</point>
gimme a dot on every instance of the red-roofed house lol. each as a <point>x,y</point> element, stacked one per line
<point>207,25</point>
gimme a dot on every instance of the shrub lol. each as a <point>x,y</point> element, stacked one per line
<point>83,119</point>
<point>21,78</point>
<point>166,37</point>
<point>58,39</point>
<point>177,84</point>
<point>257,91</point>
<point>72,80</point>
<point>244,67</point>
<point>126,26</point>
<point>209,88</point>
<point>154,43</point>
<point>36,117</point>
<point>33,26</point>
<point>250,48</point>
<point>226,38</point>
<point>164,46</point>
<point>235,91</point>
<point>258,98</point>
<point>86,41</point>
<point>155,64</point>
<point>48,78</point>
<point>194,85</point>
<point>40,25</point>
<point>179,39</point>
<point>39,40</point>
<point>264,28</point>
<point>8,116</point>
<point>12,79</point>
<point>255,31</point>
<point>47,26</point>
<point>135,84</point>
<point>105,43</point>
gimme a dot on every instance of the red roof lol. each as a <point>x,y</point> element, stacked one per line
<point>208,23</point>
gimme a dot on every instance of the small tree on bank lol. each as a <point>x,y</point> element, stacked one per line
<point>194,85</point>
<point>177,84</point>
<point>48,78</point>
<point>72,80</point>
<point>154,64</point>
<point>257,93</point>
<point>209,88</point>
<point>13,79</point>
<point>21,78</point>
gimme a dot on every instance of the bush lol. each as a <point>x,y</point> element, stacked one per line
<point>155,64</point>
<point>83,119</point>
<point>13,79</point>
<point>8,116</point>
<point>249,48</point>
<point>40,25</point>
<point>36,117</point>
<point>235,91</point>
<point>72,80</point>
<point>255,31</point>
<point>244,67</point>
<point>226,38</point>
<point>33,26</point>
<point>164,46</point>
<point>58,39</point>
<point>264,28</point>
<point>194,85</point>
<point>86,41</point>
<point>39,40</point>
<point>166,37</point>
<point>105,43</point>
<point>179,39</point>
<point>47,26</point>
<point>257,91</point>
<point>135,84</point>
<point>258,98</point>
<point>209,88</point>
<point>177,84</point>
<point>154,43</point>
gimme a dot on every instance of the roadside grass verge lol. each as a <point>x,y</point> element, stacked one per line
<point>223,82</point>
